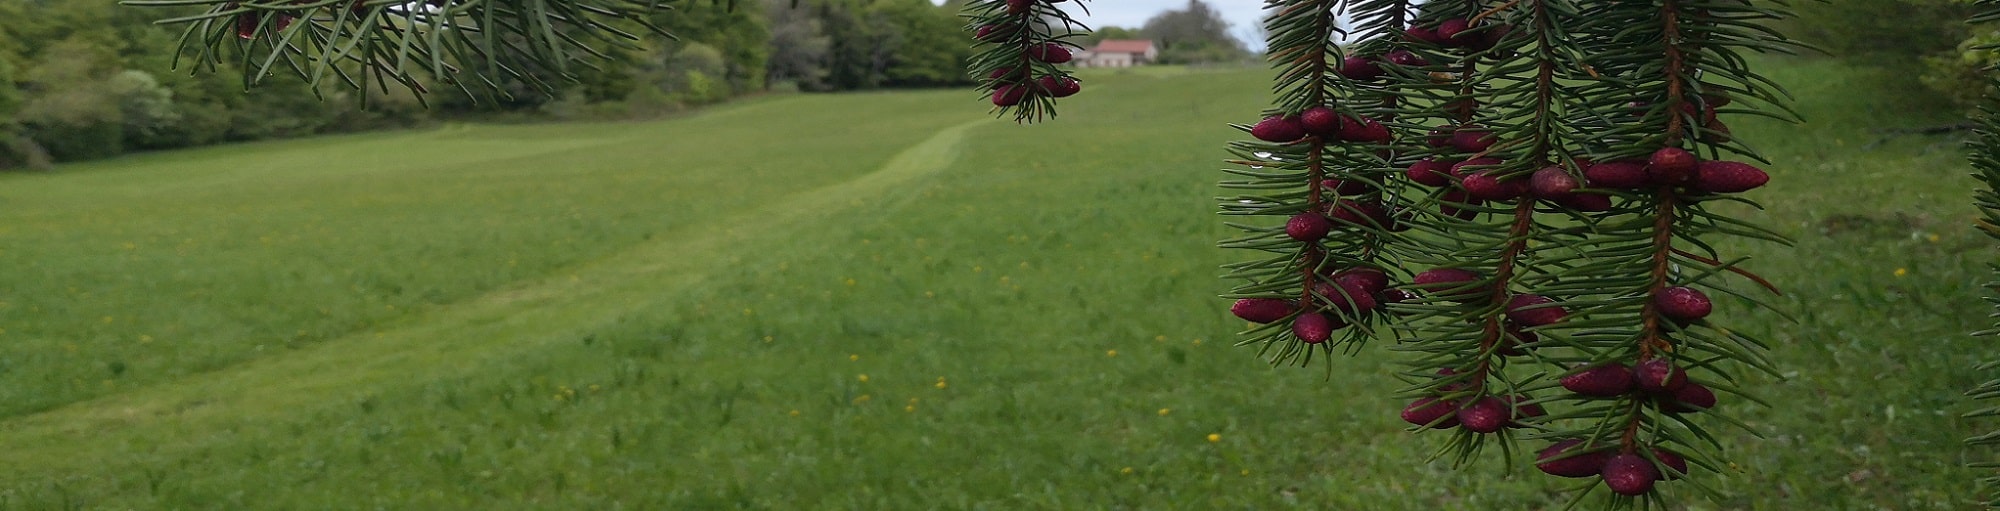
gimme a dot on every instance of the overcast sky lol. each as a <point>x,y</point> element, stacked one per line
<point>1241,14</point>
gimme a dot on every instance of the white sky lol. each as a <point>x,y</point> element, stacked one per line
<point>1242,15</point>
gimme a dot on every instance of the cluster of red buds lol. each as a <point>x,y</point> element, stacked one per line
<point>1459,33</point>
<point>1425,135</point>
<point>1324,123</point>
<point>1675,167</point>
<point>1625,473</point>
<point>1478,414</point>
<point>1657,379</point>
<point>1332,297</point>
<point>1337,296</point>
<point>1017,83</point>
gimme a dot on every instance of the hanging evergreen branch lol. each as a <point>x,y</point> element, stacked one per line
<point>1554,163</point>
<point>475,45</point>
<point>1985,156</point>
<point>1318,163</point>
<point>1502,179</point>
<point>1542,264</point>
<point>1644,358</point>
<point>1023,41</point>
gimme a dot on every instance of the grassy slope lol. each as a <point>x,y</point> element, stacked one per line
<point>673,315</point>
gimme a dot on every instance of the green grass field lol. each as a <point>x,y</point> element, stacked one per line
<point>866,301</point>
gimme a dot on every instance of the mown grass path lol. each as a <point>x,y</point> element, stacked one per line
<point>449,341</point>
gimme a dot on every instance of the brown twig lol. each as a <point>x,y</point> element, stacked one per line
<point>1663,220</point>
<point>1489,12</point>
<point>1732,269</point>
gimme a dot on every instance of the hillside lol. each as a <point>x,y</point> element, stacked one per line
<point>858,301</point>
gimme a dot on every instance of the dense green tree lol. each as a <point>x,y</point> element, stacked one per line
<point>1892,32</point>
<point>1110,32</point>
<point>146,108</point>
<point>1918,38</point>
<point>738,32</point>
<point>91,79</point>
<point>70,109</point>
<point>855,60</point>
<point>1194,34</point>
<point>926,45</point>
<point>799,46</point>
<point>891,43</point>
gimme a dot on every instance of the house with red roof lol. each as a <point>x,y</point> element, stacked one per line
<point>1118,53</point>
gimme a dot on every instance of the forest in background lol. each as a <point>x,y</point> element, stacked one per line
<point>82,80</point>
<point>1926,40</point>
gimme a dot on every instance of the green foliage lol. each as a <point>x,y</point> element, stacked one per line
<point>74,111</point>
<point>1985,158</point>
<point>1192,35</point>
<point>82,80</point>
<point>738,33</point>
<point>1101,33</point>
<point>1886,32</point>
<point>10,93</point>
<point>93,79</point>
<point>691,74</point>
<point>146,108</point>
<point>869,44</point>
<point>799,46</point>
<point>1925,39</point>
<point>1553,83</point>
<point>364,43</point>
<point>1960,76</point>
<point>926,44</point>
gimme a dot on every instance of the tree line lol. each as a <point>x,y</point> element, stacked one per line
<point>81,80</point>
<point>1928,40</point>
<point>1192,34</point>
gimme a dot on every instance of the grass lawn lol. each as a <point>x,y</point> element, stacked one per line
<point>863,301</point>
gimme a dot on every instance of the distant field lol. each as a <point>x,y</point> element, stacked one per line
<point>865,301</point>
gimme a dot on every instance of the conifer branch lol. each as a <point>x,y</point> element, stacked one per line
<point>1021,42</point>
<point>475,45</point>
<point>1985,157</point>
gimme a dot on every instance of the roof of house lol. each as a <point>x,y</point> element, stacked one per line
<point>1123,46</point>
